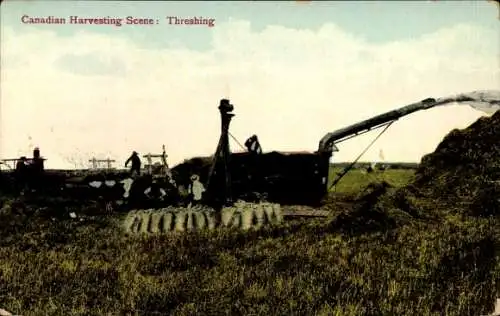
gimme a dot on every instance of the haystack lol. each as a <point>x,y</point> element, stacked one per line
<point>463,173</point>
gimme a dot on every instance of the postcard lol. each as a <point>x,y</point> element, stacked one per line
<point>250,157</point>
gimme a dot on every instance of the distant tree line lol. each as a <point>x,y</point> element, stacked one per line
<point>385,165</point>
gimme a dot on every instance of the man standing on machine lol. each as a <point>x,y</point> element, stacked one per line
<point>135,169</point>
<point>253,145</point>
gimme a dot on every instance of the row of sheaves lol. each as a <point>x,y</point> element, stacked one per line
<point>242,215</point>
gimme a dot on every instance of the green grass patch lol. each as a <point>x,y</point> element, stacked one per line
<point>357,179</point>
<point>301,268</point>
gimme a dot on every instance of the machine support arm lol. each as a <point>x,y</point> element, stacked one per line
<point>348,168</point>
<point>327,143</point>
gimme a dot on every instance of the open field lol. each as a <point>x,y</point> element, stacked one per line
<point>356,179</point>
<point>398,242</point>
<point>359,262</point>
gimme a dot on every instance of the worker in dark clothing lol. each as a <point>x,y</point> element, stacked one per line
<point>253,145</point>
<point>135,169</point>
<point>37,162</point>
<point>21,173</point>
<point>21,165</point>
<point>36,170</point>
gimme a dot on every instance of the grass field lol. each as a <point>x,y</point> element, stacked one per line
<point>361,262</point>
<point>356,179</point>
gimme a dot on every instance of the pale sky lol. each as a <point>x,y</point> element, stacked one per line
<point>294,72</point>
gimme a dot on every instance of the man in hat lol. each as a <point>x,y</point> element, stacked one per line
<point>135,169</point>
<point>196,190</point>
